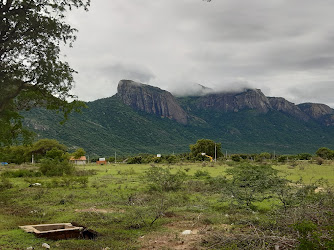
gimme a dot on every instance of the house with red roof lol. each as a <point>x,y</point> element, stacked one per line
<point>80,161</point>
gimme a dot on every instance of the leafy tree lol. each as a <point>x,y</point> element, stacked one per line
<point>41,147</point>
<point>31,72</point>
<point>304,156</point>
<point>55,153</point>
<point>206,146</point>
<point>78,153</point>
<point>15,154</point>
<point>325,153</point>
<point>265,155</point>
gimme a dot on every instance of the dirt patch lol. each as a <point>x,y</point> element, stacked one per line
<point>171,240</point>
<point>174,237</point>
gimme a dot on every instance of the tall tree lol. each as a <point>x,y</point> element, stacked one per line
<point>209,147</point>
<point>31,71</point>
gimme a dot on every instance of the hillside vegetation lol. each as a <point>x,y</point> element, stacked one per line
<point>108,126</point>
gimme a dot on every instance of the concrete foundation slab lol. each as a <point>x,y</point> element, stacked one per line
<point>58,231</point>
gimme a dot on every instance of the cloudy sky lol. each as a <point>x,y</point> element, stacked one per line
<point>283,47</point>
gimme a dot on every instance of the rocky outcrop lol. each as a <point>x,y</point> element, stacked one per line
<point>156,101</point>
<point>282,105</point>
<point>319,112</point>
<point>234,102</point>
<point>316,110</point>
<point>151,99</point>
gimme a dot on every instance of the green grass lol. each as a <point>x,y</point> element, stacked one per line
<point>114,188</point>
<point>309,172</point>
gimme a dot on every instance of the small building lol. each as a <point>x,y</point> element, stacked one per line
<point>101,161</point>
<point>80,161</point>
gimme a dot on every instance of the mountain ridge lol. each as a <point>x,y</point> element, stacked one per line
<point>142,121</point>
<point>162,103</point>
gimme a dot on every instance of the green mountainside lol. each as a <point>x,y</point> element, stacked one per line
<point>108,126</point>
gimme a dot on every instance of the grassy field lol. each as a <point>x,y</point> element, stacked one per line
<point>117,201</point>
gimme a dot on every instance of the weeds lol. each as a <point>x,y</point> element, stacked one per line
<point>5,184</point>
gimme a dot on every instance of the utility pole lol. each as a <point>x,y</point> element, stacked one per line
<point>215,152</point>
<point>115,156</point>
<point>32,159</point>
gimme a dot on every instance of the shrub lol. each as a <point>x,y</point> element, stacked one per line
<point>161,179</point>
<point>54,167</point>
<point>235,158</point>
<point>5,184</point>
<point>319,160</point>
<point>252,183</point>
<point>21,173</point>
<point>135,160</point>
<point>202,173</point>
<point>304,156</point>
<point>282,158</point>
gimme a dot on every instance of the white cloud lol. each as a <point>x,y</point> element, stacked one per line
<point>276,45</point>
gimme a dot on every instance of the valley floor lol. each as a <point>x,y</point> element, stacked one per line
<point>121,204</point>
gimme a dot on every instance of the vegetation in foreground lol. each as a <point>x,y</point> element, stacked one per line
<point>226,205</point>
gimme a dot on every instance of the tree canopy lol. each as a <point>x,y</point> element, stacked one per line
<point>209,147</point>
<point>78,153</point>
<point>31,70</point>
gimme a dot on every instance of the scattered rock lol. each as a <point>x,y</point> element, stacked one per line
<point>319,190</point>
<point>185,232</point>
<point>45,245</point>
<point>30,248</point>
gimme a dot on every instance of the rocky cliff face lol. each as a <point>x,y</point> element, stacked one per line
<point>282,105</point>
<point>151,99</point>
<point>156,101</point>
<point>319,112</point>
<point>233,102</point>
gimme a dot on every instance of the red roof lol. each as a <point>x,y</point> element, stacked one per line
<point>82,158</point>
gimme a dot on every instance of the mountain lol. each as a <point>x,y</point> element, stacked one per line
<point>151,100</point>
<point>234,102</point>
<point>146,119</point>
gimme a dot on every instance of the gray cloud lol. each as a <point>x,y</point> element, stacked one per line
<point>273,45</point>
<point>123,71</point>
<point>318,92</point>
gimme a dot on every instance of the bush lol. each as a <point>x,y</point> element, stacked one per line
<point>319,160</point>
<point>161,179</point>
<point>202,173</point>
<point>5,184</point>
<point>304,156</point>
<point>135,160</point>
<point>235,158</point>
<point>21,173</point>
<point>250,183</point>
<point>54,167</point>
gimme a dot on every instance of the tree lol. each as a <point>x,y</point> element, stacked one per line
<point>206,146</point>
<point>325,153</point>
<point>41,147</point>
<point>31,71</point>
<point>78,153</point>
<point>250,183</point>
